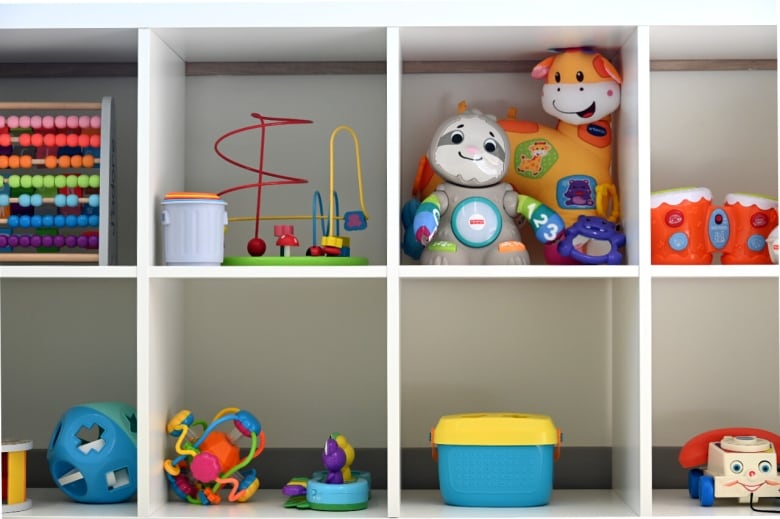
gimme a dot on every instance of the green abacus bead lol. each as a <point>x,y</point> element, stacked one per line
<point>94,181</point>
<point>59,181</point>
<point>71,181</point>
<point>48,181</point>
<point>83,181</point>
<point>26,181</point>
<point>37,182</point>
<point>13,181</point>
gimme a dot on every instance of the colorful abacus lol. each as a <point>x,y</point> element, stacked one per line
<point>51,210</point>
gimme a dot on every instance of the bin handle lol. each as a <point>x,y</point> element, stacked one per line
<point>434,450</point>
<point>165,218</point>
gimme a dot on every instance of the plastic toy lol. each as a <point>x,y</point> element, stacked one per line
<point>567,168</point>
<point>601,236</point>
<point>688,229</point>
<point>732,463</point>
<point>92,453</point>
<point>210,459</point>
<point>333,248</point>
<point>471,217</point>
<point>193,228</point>
<point>337,488</point>
<point>773,245</point>
<point>15,475</point>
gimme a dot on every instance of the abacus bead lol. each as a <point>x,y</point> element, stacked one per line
<point>12,121</point>
<point>36,220</point>
<point>71,180</point>
<point>37,181</point>
<point>3,161</point>
<point>94,141</point>
<point>72,140</point>
<point>75,161</point>
<point>24,240</point>
<point>60,121</point>
<point>72,121</point>
<point>64,161</point>
<point>2,121</point>
<point>59,181</point>
<point>59,200</point>
<point>35,122</point>
<point>94,181</point>
<point>71,220</point>
<point>35,240</point>
<point>84,121</point>
<point>59,240</point>
<point>70,241</point>
<point>36,140</point>
<point>5,139</point>
<point>24,121</point>
<point>24,220</point>
<point>3,240</point>
<point>47,220</point>
<point>94,220</point>
<point>24,200</point>
<point>59,220</point>
<point>47,241</point>
<point>94,122</point>
<point>94,200</point>
<point>47,122</point>
<point>93,242</point>
<point>60,140</point>
<point>36,200</point>
<point>73,201</point>
<point>26,161</point>
<point>14,181</point>
<point>50,162</point>
<point>13,240</point>
<point>13,221</point>
<point>25,181</point>
<point>49,139</point>
<point>89,161</point>
<point>13,161</point>
<point>4,200</point>
<point>83,181</point>
<point>82,241</point>
<point>24,139</point>
<point>83,140</point>
<point>83,220</point>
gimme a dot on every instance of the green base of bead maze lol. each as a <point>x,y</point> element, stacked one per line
<point>315,261</point>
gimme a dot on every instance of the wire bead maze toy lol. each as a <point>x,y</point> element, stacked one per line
<point>57,168</point>
<point>333,248</point>
<point>210,460</point>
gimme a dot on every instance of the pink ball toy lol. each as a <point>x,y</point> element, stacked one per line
<point>60,121</point>
<point>48,122</point>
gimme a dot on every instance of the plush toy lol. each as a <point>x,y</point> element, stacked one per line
<point>568,168</point>
<point>471,216</point>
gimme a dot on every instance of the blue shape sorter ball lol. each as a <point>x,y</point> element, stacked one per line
<point>93,454</point>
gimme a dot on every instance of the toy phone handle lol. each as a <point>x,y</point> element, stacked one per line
<point>694,453</point>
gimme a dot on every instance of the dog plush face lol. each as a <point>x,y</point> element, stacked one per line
<point>470,149</point>
<point>580,86</point>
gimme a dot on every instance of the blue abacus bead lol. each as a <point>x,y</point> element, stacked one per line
<point>71,220</point>
<point>73,200</point>
<point>36,220</point>
<point>59,200</point>
<point>36,200</point>
<point>59,220</point>
<point>47,220</point>
<point>94,220</point>
<point>94,200</point>
<point>4,200</point>
<point>13,221</point>
<point>24,200</point>
<point>83,220</point>
<point>24,220</point>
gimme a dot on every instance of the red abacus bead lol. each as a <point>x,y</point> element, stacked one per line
<point>61,140</point>
<point>24,139</point>
<point>5,139</point>
<point>94,141</point>
<point>36,140</point>
<point>83,140</point>
<point>72,139</point>
<point>49,139</point>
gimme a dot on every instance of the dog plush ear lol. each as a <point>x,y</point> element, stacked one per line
<point>542,68</point>
<point>605,68</point>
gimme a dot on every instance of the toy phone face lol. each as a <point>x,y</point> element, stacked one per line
<point>470,149</point>
<point>751,470</point>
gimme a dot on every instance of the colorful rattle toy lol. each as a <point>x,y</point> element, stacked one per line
<point>337,488</point>
<point>15,475</point>
<point>212,459</point>
<point>93,454</point>
<point>471,217</point>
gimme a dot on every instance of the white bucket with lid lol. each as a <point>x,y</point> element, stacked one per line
<point>193,228</point>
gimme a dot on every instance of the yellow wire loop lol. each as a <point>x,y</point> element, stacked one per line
<point>355,140</point>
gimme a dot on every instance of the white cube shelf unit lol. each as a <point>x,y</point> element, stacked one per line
<point>622,357</point>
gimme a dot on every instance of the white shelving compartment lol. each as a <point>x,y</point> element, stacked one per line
<point>715,331</point>
<point>564,341</point>
<point>302,348</point>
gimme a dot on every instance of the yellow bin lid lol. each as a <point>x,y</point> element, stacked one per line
<point>495,429</point>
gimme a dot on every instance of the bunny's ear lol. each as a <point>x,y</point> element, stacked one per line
<point>542,68</point>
